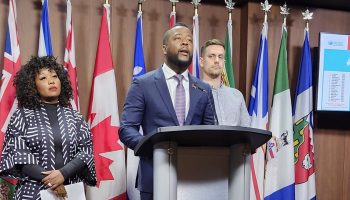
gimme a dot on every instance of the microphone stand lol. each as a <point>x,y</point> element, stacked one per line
<point>216,122</point>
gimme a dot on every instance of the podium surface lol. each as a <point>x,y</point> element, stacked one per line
<point>203,135</point>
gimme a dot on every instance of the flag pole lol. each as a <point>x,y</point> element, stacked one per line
<point>106,2</point>
<point>173,5</point>
<point>266,8</point>
<point>196,3</point>
<point>140,4</point>
<point>307,16</point>
<point>284,12</point>
<point>224,74</point>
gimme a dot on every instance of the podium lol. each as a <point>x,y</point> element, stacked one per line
<point>202,161</point>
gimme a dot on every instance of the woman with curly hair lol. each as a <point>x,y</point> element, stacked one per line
<point>47,143</point>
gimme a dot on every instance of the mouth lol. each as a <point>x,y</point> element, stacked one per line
<point>53,88</point>
<point>184,52</point>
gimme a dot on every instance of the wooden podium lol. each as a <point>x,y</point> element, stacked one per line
<point>202,161</point>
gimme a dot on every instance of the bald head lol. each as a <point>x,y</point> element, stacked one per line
<point>169,32</point>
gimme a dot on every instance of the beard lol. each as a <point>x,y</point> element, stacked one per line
<point>174,60</point>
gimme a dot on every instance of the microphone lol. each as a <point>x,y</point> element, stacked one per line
<point>195,86</point>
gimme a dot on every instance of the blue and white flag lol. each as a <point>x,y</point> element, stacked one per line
<point>194,67</point>
<point>139,60</point>
<point>279,177</point>
<point>45,47</point>
<point>258,110</point>
<point>139,69</point>
<point>305,188</point>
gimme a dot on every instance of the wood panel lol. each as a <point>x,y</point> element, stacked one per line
<point>331,146</point>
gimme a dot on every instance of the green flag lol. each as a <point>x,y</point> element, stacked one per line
<point>228,56</point>
<point>279,174</point>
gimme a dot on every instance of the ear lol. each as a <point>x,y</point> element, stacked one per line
<point>201,62</point>
<point>164,47</point>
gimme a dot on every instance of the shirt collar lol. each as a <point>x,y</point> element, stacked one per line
<point>169,73</point>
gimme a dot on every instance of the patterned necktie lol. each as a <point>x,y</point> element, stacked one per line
<point>180,100</point>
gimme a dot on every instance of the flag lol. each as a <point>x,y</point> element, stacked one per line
<point>104,123</point>
<point>139,69</point>
<point>303,128</point>
<point>279,178</point>
<point>45,47</point>
<point>194,67</point>
<point>258,110</point>
<point>139,60</point>
<point>69,57</point>
<point>8,103</point>
<point>228,77</point>
<point>172,20</point>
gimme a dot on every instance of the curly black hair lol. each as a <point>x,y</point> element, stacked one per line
<point>24,82</point>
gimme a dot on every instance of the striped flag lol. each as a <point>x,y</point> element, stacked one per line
<point>45,47</point>
<point>279,178</point>
<point>139,69</point>
<point>228,75</point>
<point>104,123</point>
<point>8,103</point>
<point>303,128</point>
<point>258,110</point>
<point>194,68</point>
<point>69,57</point>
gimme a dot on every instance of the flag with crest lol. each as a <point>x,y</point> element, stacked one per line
<point>279,178</point>
<point>305,188</point>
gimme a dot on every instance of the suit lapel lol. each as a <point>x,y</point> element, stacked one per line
<point>195,95</point>
<point>162,87</point>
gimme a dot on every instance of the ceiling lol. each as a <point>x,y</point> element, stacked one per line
<point>328,4</point>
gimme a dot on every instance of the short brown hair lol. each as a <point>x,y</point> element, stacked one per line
<point>211,42</point>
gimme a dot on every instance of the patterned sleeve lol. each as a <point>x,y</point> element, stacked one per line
<point>85,152</point>
<point>15,151</point>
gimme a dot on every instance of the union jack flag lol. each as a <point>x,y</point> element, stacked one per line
<point>8,103</point>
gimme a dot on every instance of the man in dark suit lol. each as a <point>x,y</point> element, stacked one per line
<point>167,96</point>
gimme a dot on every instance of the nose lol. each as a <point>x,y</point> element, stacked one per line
<point>51,81</point>
<point>184,42</point>
<point>216,59</point>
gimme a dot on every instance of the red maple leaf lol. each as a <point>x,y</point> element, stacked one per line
<point>105,139</point>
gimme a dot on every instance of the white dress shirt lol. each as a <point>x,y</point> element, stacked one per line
<point>172,82</point>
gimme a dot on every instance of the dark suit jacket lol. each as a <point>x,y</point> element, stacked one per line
<point>148,104</point>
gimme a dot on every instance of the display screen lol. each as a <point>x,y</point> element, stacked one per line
<point>333,88</point>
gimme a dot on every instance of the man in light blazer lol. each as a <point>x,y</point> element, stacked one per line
<point>151,101</point>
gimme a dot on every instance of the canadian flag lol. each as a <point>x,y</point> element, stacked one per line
<point>104,123</point>
<point>69,57</point>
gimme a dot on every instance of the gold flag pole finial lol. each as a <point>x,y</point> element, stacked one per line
<point>307,16</point>
<point>196,3</point>
<point>284,12</point>
<point>266,8</point>
<point>106,2</point>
